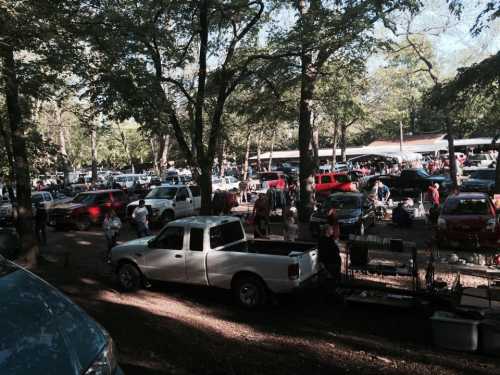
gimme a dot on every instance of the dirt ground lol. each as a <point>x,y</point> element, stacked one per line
<point>173,329</point>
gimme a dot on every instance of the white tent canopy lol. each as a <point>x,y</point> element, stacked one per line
<point>399,157</point>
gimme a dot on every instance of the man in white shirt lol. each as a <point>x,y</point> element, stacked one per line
<point>140,216</point>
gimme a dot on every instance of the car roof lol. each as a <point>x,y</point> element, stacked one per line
<point>467,195</point>
<point>205,221</point>
<point>171,185</point>
<point>102,191</point>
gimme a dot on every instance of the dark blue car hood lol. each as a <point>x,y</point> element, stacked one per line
<point>41,331</point>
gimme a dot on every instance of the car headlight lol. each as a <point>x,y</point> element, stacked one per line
<point>351,220</point>
<point>105,363</point>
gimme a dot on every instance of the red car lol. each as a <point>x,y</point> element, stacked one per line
<point>468,219</point>
<point>276,180</point>
<point>336,181</point>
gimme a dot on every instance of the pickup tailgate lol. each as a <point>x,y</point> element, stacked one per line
<point>308,263</point>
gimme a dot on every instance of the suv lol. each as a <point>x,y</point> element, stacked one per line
<point>469,217</point>
<point>168,202</point>
<point>329,182</point>
<point>88,208</point>
<point>482,180</point>
<point>276,180</point>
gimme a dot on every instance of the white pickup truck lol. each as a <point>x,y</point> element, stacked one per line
<point>169,202</point>
<point>213,251</point>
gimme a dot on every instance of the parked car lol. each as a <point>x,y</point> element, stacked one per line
<point>225,183</point>
<point>480,160</point>
<point>168,202</point>
<point>74,189</point>
<point>43,331</point>
<point>127,181</point>
<point>8,213</point>
<point>412,181</point>
<point>469,219</point>
<point>481,180</point>
<point>355,212</point>
<point>213,251</point>
<point>276,180</point>
<point>88,208</point>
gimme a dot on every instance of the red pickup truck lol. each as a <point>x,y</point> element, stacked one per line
<point>468,219</point>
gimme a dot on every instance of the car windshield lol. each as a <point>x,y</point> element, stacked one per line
<point>36,199</point>
<point>162,193</point>
<point>343,202</point>
<point>422,173</point>
<point>478,206</point>
<point>483,175</point>
<point>269,177</point>
<point>84,198</point>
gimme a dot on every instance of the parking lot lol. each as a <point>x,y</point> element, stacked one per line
<point>173,329</point>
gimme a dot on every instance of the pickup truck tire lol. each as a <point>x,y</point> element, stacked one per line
<point>83,223</point>
<point>249,291</point>
<point>129,277</point>
<point>167,217</point>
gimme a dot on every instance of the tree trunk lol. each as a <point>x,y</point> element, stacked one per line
<point>259,150</point>
<point>205,182</point>
<point>497,172</point>
<point>62,144</point>
<point>270,165</point>
<point>154,151</point>
<point>93,151</point>
<point>307,85</point>
<point>334,145</point>
<point>126,148</point>
<point>343,142</point>
<point>24,223</point>
<point>451,153</point>
<point>248,142</point>
<point>221,158</point>
<point>10,158</point>
<point>315,148</point>
<point>164,154</point>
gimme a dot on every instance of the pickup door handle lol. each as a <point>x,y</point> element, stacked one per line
<point>178,255</point>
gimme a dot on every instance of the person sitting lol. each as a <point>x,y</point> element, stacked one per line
<point>383,192</point>
<point>401,217</point>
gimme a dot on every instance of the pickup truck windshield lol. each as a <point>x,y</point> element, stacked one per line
<point>483,175</point>
<point>343,203</point>
<point>225,234</point>
<point>162,193</point>
<point>466,207</point>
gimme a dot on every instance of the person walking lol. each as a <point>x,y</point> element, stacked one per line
<point>243,187</point>
<point>261,217</point>
<point>140,217</point>
<point>41,223</point>
<point>433,193</point>
<point>111,226</point>
<point>329,251</point>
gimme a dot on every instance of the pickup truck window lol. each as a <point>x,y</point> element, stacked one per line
<point>195,190</point>
<point>226,233</point>
<point>84,198</point>
<point>182,194</point>
<point>196,239</point>
<point>483,175</point>
<point>172,238</point>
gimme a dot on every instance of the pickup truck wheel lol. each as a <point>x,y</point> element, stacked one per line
<point>250,292</point>
<point>167,217</point>
<point>129,277</point>
<point>83,223</point>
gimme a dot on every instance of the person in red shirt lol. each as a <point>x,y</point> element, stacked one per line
<point>434,194</point>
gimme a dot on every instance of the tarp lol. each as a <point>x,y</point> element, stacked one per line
<point>399,157</point>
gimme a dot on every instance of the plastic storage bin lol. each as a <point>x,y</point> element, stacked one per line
<point>455,333</point>
<point>489,330</point>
